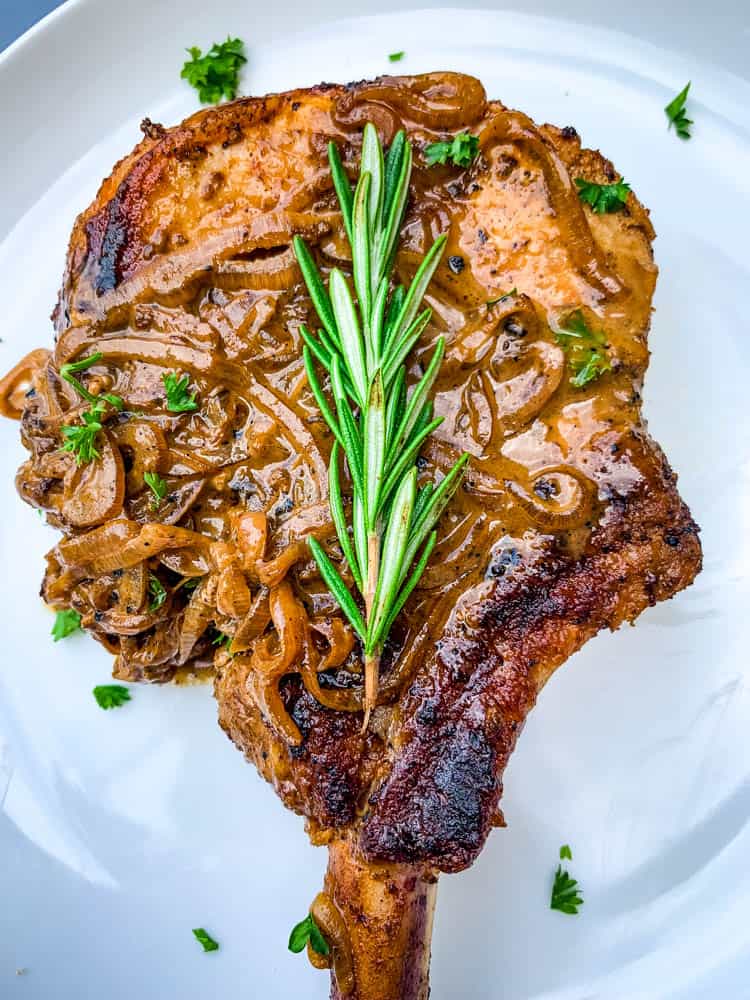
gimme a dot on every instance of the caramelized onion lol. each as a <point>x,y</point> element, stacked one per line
<point>132,588</point>
<point>98,548</point>
<point>170,355</point>
<point>251,529</point>
<point>340,641</point>
<point>232,593</point>
<point>253,624</point>
<point>172,508</point>
<point>268,664</point>
<point>289,619</point>
<point>150,657</point>
<point>271,573</point>
<point>198,615</point>
<point>146,448</point>
<point>276,272</point>
<point>272,229</point>
<point>119,623</point>
<point>436,100</point>
<point>326,915</point>
<point>516,129</point>
<point>187,562</point>
<point>564,502</point>
<point>94,493</point>
<point>520,398</point>
<point>153,539</point>
<point>16,384</point>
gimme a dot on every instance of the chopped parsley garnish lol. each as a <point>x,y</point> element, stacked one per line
<point>68,371</point>
<point>307,930</point>
<point>216,74</point>
<point>157,591</point>
<point>66,623</point>
<point>81,438</point>
<point>396,56</point>
<point>586,350</point>
<point>603,197</point>
<point>221,639</point>
<point>675,112</point>
<point>505,295</point>
<point>205,939</point>
<point>111,695</point>
<point>191,582</point>
<point>178,398</point>
<point>566,896</point>
<point>461,150</point>
<point>157,486</point>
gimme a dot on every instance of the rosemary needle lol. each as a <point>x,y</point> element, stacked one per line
<point>367,336</point>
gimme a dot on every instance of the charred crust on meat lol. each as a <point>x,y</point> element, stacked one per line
<point>111,235</point>
<point>438,809</point>
<point>152,130</point>
<point>234,135</point>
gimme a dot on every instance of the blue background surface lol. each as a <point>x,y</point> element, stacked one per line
<point>18,15</point>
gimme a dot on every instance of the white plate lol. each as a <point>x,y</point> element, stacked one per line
<point>123,830</point>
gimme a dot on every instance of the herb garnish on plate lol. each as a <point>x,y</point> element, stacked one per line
<point>215,74</point>
<point>675,112</point>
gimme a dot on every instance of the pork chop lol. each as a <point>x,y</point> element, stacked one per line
<point>569,520</point>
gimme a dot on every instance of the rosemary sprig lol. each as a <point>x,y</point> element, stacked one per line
<point>377,426</point>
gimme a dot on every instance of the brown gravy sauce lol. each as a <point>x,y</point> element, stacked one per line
<point>246,473</point>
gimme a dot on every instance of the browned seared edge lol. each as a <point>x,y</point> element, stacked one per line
<point>569,520</point>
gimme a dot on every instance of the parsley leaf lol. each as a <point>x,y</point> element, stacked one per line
<point>603,197</point>
<point>157,591</point>
<point>505,295</point>
<point>67,372</point>
<point>307,930</point>
<point>205,939</point>
<point>396,56</point>
<point>81,438</point>
<point>566,896</point>
<point>461,150</point>
<point>594,366</point>
<point>586,350</point>
<point>221,639</point>
<point>675,112</point>
<point>157,486</point>
<point>565,852</point>
<point>66,623</point>
<point>111,695</point>
<point>216,74</point>
<point>178,399</point>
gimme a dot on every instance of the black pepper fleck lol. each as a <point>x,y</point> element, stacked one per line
<point>544,489</point>
<point>456,263</point>
<point>502,562</point>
